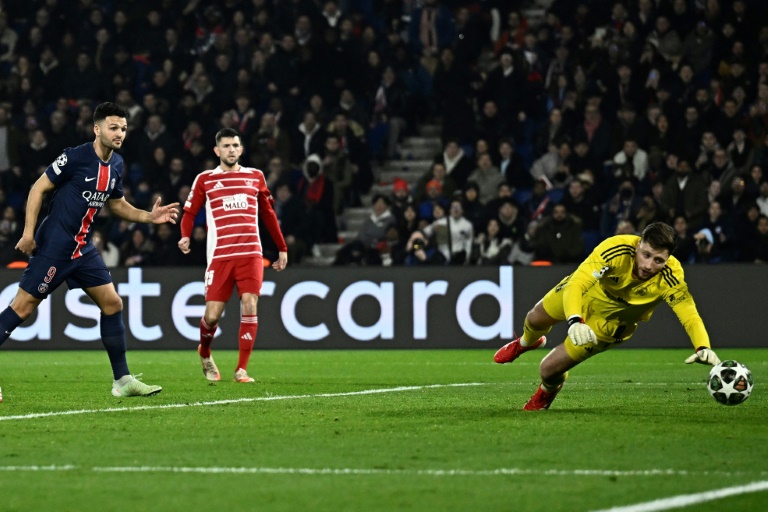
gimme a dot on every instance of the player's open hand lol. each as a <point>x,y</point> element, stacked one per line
<point>184,245</point>
<point>282,261</point>
<point>703,356</point>
<point>162,214</point>
<point>27,244</point>
<point>579,332</point>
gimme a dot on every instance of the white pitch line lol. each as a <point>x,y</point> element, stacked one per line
<point>685,500</point>
<point>35,415</point>
<point>382,471</point>
<point>67,467</point>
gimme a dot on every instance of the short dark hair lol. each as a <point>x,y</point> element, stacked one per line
<point>660,236</point>
<point>107,109</point>
<point>226,132</point>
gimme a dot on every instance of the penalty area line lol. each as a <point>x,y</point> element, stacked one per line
<point>237,401</point>
<point>685,500</point>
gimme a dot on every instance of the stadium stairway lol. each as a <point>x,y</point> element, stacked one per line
<point>416,155</point>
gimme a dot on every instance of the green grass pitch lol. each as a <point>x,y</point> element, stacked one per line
<point>375,431</point>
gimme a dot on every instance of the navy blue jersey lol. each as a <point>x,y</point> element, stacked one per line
<point>83,183</point>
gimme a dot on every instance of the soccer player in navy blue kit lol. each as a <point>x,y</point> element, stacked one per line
<point>82,180</point>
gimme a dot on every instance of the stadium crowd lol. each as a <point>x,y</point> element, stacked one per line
<point>596,119</point>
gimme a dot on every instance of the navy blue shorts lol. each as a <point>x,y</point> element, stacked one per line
<point>43,274</point>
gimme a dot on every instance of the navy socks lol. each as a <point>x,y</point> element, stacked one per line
<point>113,338</point>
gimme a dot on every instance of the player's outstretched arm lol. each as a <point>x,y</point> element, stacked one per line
<point>42,186</point>
<point>159,214</point>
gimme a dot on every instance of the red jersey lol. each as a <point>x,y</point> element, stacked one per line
<point>233,201</point>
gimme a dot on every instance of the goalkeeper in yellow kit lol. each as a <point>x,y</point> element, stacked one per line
<point>614,288</point>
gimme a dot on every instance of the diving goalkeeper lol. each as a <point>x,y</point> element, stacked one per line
<point>614,288</point>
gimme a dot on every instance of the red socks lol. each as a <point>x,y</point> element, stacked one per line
<point>206,337</point>
<point>249,325</point>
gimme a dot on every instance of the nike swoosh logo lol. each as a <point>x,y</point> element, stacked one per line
<point>89,179</point>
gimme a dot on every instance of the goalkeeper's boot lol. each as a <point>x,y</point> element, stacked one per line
<point>513,349</point>
<point>242,376</point>
<point>210,370</point>
<point>134,387</point>
<point>542,399</point>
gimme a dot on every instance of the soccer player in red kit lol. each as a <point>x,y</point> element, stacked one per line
<point>234,197</point>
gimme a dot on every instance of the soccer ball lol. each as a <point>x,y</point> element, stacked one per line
<point>730,382</point>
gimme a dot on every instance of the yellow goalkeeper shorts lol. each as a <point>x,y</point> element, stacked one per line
<point>609,333</point>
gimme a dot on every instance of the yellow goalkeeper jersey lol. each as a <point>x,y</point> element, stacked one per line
<point>604,286</point>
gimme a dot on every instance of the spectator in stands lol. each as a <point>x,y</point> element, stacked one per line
<point>581,202</point>
<point>512,167</point>
<point>270,140</point>
<point>490,126</point>
<point>720,169</point>
<point>630,162</point>
<point>648,213</point>
<point>506,85</point>
<point>352,141</point>
<point>662,139</point>
<point>434,196</point>
<point>457,164</point>
<point>408,222</point>
<point>401,198</point>
<point>558,237</point>
<point>109,252</point>
<point>452,235</point>
<point>709,144</point>
<point>10,233</point>
<point>138,250</point>
<point>549,132</point>
<point>762,199</point>
<point>431,27</point>
<point>685,250</point>
<point>290,213</point>
<point>487,177</point>
<point>553,167</point>
<point>740,151</point>
<point>596,130</point>
<point>762,244</point>
<point>622,206</point>
<point>474,211</point>
<point>512,222</point>
<point>685,193</point>
<point>316,193</point>
<point>371,241</point>
<point>308,138</point>
<point>339,171</point>
<point>745,234</point>
<point>752,179</point>
<point>489,247</point>
<point>36,155</point>
<point>165,249</point>
<point>734,197</point>
<point>436,173</point>
<point>629,127</point>
<point>388,119</point>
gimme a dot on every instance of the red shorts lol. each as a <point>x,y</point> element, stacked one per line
<point>223,274</point>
